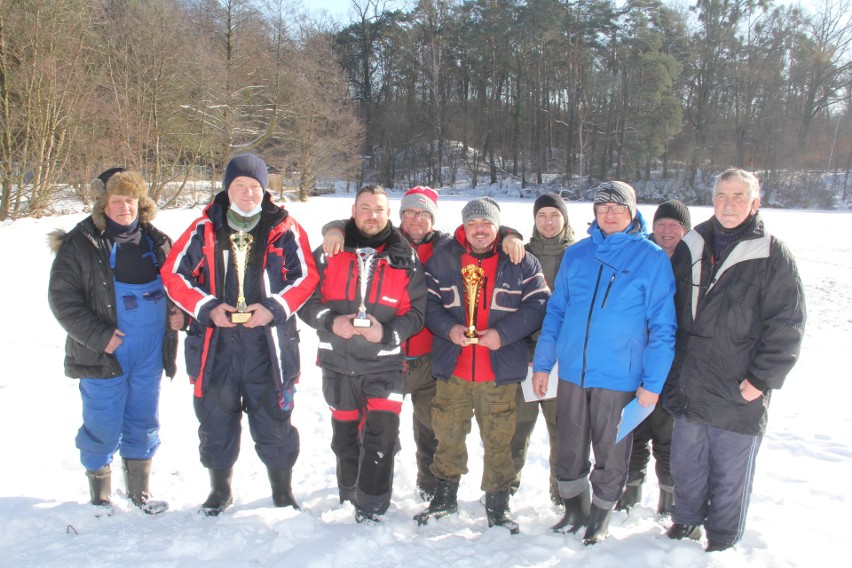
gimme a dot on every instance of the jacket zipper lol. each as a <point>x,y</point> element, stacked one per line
<point>473,360</point>
<point>588,326</point>
<point>608,288</point>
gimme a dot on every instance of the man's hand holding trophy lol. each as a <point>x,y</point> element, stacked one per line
<point>472,276</point>
<point>361,323</point>
<point>241,246</point>
<point>366,258</point>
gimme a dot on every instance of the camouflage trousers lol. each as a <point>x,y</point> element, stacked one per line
<point>456,402</point>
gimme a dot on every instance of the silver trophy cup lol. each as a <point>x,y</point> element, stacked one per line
<point>366,266</point>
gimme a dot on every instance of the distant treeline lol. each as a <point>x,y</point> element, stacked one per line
<point>447,92</point>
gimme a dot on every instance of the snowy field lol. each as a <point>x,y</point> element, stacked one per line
<point>799,509</point>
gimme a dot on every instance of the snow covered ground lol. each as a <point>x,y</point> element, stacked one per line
<point>799,508</point>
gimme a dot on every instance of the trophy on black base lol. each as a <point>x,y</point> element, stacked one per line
<point>472,276</point>
<point>366,265</point>
<point>241,246</point>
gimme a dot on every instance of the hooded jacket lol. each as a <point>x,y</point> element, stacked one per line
<point>194,277</point>
<point>611,320</point>
<point>81,294</point>
<point>741,316</point>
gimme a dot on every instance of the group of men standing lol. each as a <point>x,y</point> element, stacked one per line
<point>455,321</point>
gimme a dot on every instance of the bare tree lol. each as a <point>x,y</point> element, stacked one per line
<point>44,53</point>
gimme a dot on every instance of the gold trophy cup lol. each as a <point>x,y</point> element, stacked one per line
<point>472,276</point>
<point>240,245</point>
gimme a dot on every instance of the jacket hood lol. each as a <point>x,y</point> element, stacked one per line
<point>637,228</point>
<point>55,239</point>
<point>398,250</point>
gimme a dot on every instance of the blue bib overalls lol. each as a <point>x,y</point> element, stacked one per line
<point>121,413</point>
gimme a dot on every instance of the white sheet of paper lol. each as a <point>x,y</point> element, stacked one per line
<point>531,396</point>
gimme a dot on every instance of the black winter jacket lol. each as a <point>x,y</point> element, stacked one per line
<point>741,316</point>
<point>81,294</point>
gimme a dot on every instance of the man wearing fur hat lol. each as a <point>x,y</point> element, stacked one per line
<point>418,214</point>
<point>106,292</point>
<point>251,365</point>
<point>479,377</point>
<point>551,236</point>
<point>671,222</point>
<point>611,325</point>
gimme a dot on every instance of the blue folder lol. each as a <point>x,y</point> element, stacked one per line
<point>631,416</point>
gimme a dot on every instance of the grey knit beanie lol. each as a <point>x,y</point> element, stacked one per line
<point>482,208</point>
<point>617,192</point>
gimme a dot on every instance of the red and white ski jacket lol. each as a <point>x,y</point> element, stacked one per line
<point>194,273</point>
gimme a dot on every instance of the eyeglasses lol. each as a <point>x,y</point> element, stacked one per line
<point>602,209</point>
<point>414,214</point>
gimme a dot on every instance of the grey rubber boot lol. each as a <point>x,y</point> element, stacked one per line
<point>100,485</point>
<point>136,476</point>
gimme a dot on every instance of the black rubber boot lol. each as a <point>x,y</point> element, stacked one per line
<point>100,485</point>
<point>598,527</point>
<point>136,476</point>
<point>718,545</point>
<point>680,532</point>
<point>576,513</point>
<point>497,511</point>
<point>282,492</point>
<point>632,495</point>
<point>664,505</point>
<point>364,516</point>
<point>220,492</point>
<point>444,502</point>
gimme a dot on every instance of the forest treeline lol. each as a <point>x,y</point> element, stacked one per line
<point>550,93</point>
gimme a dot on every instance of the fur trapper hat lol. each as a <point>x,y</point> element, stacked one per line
<point>118,181</point>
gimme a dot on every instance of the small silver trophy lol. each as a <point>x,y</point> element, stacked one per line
<point>241,245</point>
<point>366,265</point>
